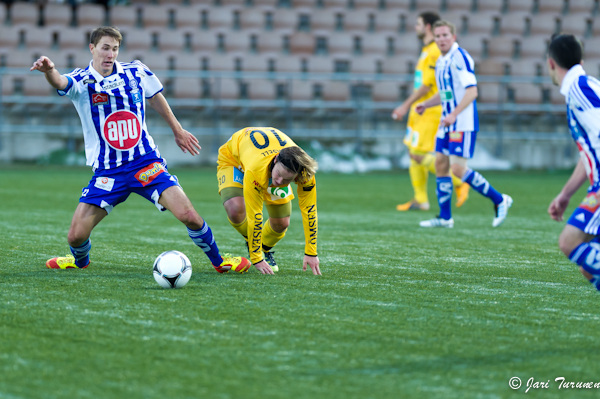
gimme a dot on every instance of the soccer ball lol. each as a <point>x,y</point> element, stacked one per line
<point>172,269</point>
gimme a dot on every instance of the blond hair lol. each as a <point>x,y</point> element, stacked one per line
<point>298,161</point>
<point>443,22</point>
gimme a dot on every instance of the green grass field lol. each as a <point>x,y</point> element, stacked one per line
<point>400,311</point>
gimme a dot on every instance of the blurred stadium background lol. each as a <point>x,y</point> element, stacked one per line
<point>327,72</point>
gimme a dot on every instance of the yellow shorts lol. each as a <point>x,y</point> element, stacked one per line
<point>232,177</point>
<point>421,130</point>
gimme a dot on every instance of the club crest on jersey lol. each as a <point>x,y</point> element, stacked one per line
<point>146,175</point>
<point>591,202</point>
<point>99,99</point>
<point>122,130</point>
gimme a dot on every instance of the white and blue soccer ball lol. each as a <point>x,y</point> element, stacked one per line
<point>172,269</point>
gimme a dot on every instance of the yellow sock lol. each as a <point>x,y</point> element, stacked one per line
<point>429,162</point>
<point>269,236</point>
<point>457,182</point>
<point>242,228</point>
<point>418,178</point>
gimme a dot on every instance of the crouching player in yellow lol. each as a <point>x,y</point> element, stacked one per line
<point>255,168</point>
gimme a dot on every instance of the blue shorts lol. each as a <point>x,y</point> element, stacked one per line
<point>461,144</point>
<point>586,217</point>
<point>147,177</point>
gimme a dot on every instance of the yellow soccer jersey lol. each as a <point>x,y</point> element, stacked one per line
<point>421,129</point>
<point>252,150</point>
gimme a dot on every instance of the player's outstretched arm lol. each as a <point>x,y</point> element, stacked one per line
<point>184,139</point>
<point>313,262</point>
<point>46,66</point>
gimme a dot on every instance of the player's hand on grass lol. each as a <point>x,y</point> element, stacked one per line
<point>187,142</point>
<point>557,207</point>
<point>264,267</point>
<point>313,262</point>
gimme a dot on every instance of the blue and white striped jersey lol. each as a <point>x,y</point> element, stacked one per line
<point>582,94</point>
<point>454,72</point>
<point>112,110</point>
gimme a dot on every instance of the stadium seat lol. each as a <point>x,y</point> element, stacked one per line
<point>90,15</point>
<point>513,5</point>
<point>262,89</point>
<point>205,41</point>
<point>187,87</point>
<point>427,5</point>
<point>255,62</point>
<point>580,6</point>
<point>36,85</point>
<point>335,3</point>
<point>12,37</point>
<point>392,21</point>
<point>367,64</point>
<point>482,22</point>
<point>406,44</point>
<point>218,17</point>
<point>356,20</point>
<point>236,41</point>
<point>475,45</point>
<point>527,93</point>
<point>300,90</point>
<point>388,91</point>
<point>320,64</point>
<point>515,23</point>
<point>270,42</point>
<point>550,7</point>
<point>24,13</point>
<point>397,4</point>
<point>527,67</point>
<point>534,47</point>
<point>487,5</point>
<point>254,18</point>
<point>190,16</point>
<point>545,24</point>
<point>136,39</point>
<point>19,58</point>
<point>457,6</point>
<point>57,14</point>
<point>328,19</point>
<point>494,67</point>
<point>2,13</point>
<point>40,37</point>
<point>334,90</point>
<point>506,46</point>
<point>365,5</point>
<point>124,16</point>
<point>75,38</point>
<point>285,19</point>
<point>302,43</point>
<point>376,43</point>
<point>579,24</point>
<point>399,64</point>
<point>490,93</point>
<point>591,48</point>
<point>340,43</point>
<point>160,15</point>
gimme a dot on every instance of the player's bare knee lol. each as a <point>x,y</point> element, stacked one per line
<point>191,219</point>
<point>567,244</point>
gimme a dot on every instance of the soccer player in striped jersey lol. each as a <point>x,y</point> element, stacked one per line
<point>579,240</point>
<point>455,144</point>
<point>110,98</point>
<point>421,129</point>
<point>255,168</point>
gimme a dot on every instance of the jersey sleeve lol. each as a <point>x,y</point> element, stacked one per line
<point>150,83</point>
<point>307,198</point>
<point>464,69</point>
<point>429,71</point>
<point>72,90</point>
<point>253,197</point>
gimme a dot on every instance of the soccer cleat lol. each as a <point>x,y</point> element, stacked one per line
<point>236,263</point>
<point>271,261</point>
<point>438,222</point>
<point>413,205</point>
<point>462,194</point>
<point>63,262</point>
<point>502,210</point>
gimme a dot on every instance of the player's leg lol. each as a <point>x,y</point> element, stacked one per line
<point>462,189</point>
<point>582,249</point>
<point>418,178</point>
<point>235,207</point>
<point>443,192</point>
<point>85,218</point>
<point>275,227</point>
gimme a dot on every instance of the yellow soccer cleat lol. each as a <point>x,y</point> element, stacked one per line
<point>236,263</point>
<point>63,262</point>
<point>413,205</point>
<point>462,194</point>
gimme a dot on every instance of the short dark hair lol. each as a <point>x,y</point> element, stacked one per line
<point>566,50</point>
<point>429,17</point>
<point>102,31</point>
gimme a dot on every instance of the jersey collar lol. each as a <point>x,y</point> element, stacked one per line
<point>575,72</point>
<point>118,69</point>
<point>452,50</point>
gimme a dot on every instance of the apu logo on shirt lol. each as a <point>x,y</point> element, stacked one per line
<point>122,130</point>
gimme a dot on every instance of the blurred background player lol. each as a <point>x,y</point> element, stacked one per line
<point>455,144</point>
<point>421,129</point>
<point>579,238</point>
<point>110,99</point>
<point>256,167</point>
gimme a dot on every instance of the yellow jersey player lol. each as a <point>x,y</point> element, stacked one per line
<point>422,129</point>
<point>255,168</point>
